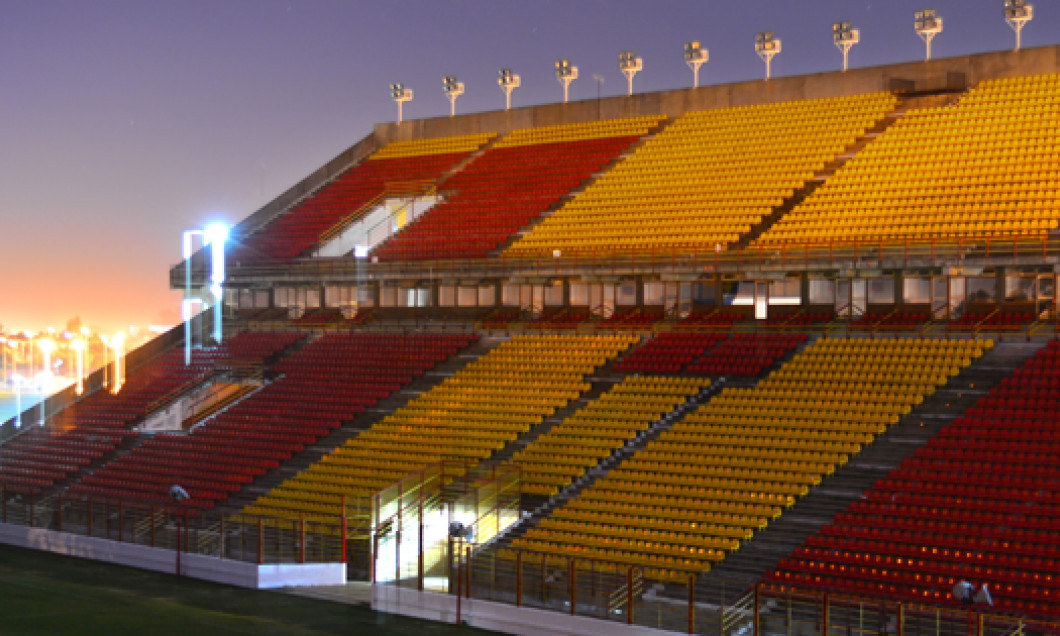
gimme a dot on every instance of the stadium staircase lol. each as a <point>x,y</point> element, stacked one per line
<point>729,580</point>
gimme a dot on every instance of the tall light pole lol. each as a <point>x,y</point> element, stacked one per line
<point>927,25</point>
<point>213,236</point>
<point>16,378</point>
<point>767,46</point>
<point>565,74</point>
<point>695,56</point>
<point>845,37</point>
<point>630,65</point>
<point>79,347</point>
<point>117,342</point>
<point>1017,14</point>
<point>508,80</point>
<point>453,89</point>
<point>400,94</point>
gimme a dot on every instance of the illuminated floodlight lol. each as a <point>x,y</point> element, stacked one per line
<point>695,56</point>
<point>630,65</point>
<point>845,37</point>
<point>78,346</point>
<point>117,343</point>
<point>508,81</point>
<point>453,89</point>
<point>400,94</point>
<point>927,24</point>
<point>565,74</point>
<point>767,46</point>
<point>16,379</point>
<point>1017,14</point>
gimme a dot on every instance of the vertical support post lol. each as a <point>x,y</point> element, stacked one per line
<point>59,515</point>
<point>178,545</point>
<point>106,519</point>
<point>301,538</point>
<point>121,521</point>
<point>824,615</point>
<point>692,604</point>
<point>187,531</point>
<point>519,578</point>
<point>344,529</point>
<point>88,503</point>
<point>901,620</point>
<point>152,525</point>
<point>570,583</point>
<point>419,551</point>
<point>754,612</point>
<point>629,595</point>
<point>459,592</point>
<point>375,553</point>
<point>223,535</point>
<point>467,571</point>
<point>261,541</point>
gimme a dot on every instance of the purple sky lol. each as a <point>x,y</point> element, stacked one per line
<point>125,122</point>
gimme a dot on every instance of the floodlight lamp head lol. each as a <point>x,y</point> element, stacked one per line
<point>399,93</point>
<point>628,61</point>
<point>694,52</point>
<point>927,22</point>
<point>507,78</point>
<point>1018,10</point>
<point>564,70</point>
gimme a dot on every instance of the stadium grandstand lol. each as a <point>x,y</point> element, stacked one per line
<point>764,358</point>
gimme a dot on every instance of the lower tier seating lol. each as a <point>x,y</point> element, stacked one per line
<point>326,383</point>
<point>979,503</point>
<point>725,470</point>
<point>466,418</point>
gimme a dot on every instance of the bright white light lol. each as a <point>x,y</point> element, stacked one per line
<point>216,231</point>
<point>360,251</point>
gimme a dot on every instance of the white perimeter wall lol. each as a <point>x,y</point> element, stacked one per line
<point>193,565</point>
<point>501,617</point>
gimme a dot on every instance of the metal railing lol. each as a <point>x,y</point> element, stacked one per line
<point>247,538</point>
<point>878,254</point>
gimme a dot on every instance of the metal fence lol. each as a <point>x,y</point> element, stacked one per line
<point>247,538</point>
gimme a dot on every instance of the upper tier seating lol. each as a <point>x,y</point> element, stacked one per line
<point>984,167</point>
<point>668,352</point>
<point>95,425</point>
<point>326,383</point>
<point>468,417</point>
<point>400,168</point>
<point>705,180</point>
<point>723,471</point>
<point>979,502</point>
<point>582,440</point>
<point>510,185</point>
<point>746,354</point>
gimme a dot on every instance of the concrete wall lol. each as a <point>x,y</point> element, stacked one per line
<point>919,76</point>
<point>196,566</point>
<point>500,617</point>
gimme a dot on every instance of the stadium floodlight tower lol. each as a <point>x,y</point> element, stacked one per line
<point>213,236</point>
<point>845,37</point>
<point>695,56</point>
<point>630,65</point>
<point>565,74</point>
<point>927,25</point>
<point>508,80</point>
<point>1017,14</point>
<point>453,89</point>
<point>400,94</point>
<point>767,46</point>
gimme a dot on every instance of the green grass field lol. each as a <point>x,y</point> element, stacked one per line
<point>43,593</point>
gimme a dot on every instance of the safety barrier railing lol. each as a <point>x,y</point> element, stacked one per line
<point>597,588</point>
<point>784,610</point>
<point>248,538</point>
<point>840,255</point>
